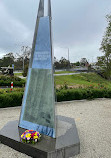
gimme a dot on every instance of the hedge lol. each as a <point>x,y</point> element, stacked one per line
<point>6,81</point>
<point>79,94</point>
<point>14,98</point>
<point>11,99</point>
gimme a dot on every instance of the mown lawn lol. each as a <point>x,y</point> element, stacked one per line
<point>76,81</point>
<point>63,72</point>
<point>18,74</point>
<point>83,79</point>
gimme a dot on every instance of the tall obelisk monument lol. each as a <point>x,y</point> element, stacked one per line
<point>38,106</point>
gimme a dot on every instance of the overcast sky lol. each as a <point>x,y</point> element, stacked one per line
<point>77,24</point>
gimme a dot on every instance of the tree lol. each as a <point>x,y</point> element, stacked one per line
<point>84,62</point>
<point>25,71</point>
<point>23,58</point>
<point>19,60</point>
<point>105,60</point>
<point>62,63</point>
<point>7,60</point>
<point>56,63</point>
<point>77,63</point>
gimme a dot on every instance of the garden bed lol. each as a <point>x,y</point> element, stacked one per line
<point>13,98</point>
<point>5,81</point>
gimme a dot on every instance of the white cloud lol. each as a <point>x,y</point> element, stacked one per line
<point>80,25</point>
<point>90,51</point>
<point>13,32</point>
<point>77,24</point>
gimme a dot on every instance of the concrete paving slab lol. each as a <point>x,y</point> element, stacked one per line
<point>93,121</point>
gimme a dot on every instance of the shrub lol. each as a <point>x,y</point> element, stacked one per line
<point>11,99</point>
<point>78,94</point>
<point>6,81</point>
<point>14,98</point>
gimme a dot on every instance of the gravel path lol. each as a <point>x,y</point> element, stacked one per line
<point>93,120</point>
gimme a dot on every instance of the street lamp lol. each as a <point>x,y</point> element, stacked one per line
<point>67,51</point>
<point>68,55</point>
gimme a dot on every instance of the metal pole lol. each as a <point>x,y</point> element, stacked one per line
<point>22,49</point>
<point>49,8</point>
<point>23,62</point>
<point>68,54</point>
<point>39,15</point>
<point>41,9</point>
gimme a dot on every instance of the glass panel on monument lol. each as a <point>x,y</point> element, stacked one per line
<point>38,110</point>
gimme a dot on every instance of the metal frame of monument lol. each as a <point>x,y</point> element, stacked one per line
<point>67,143</point>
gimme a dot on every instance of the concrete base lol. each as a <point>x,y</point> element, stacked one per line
<point>66,144</point>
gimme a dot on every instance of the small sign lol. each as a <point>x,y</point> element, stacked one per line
<point>13,66</point>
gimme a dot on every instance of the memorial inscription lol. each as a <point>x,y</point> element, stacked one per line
<point>41,56</point>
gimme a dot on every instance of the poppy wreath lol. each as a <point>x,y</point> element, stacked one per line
<point>30,136</point>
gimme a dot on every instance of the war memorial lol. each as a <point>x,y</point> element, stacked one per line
<point>59,134</point>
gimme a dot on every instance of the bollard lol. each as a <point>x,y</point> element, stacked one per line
<point>11,86</point>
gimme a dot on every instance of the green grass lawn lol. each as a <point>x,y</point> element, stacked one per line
<point>70,87</point>
<point>18,74</point>
<point>82,79</point>
<point>63,72</point>
<point>76,80</point>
